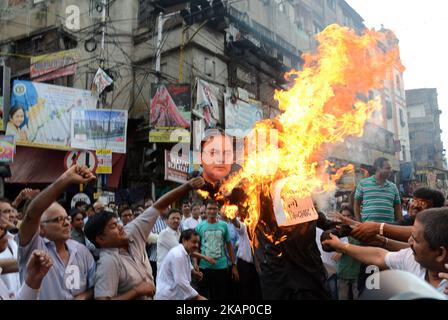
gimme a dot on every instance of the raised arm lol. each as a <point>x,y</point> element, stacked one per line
<point>30,223</point>
<point>25,194</point>
<point>177,193</point>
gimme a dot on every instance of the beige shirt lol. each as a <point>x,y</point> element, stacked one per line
<point>118,271</point>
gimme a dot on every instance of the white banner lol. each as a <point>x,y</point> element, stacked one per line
<point>99,129</point>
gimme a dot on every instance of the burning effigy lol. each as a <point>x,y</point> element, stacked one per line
<point>277,181</point>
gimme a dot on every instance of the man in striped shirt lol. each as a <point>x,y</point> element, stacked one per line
<point>376,198</point>
<point>151,243</point>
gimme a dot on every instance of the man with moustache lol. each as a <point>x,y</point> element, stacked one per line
<point>124,271</point>
<point>46,227</point>
<point>426,257</point>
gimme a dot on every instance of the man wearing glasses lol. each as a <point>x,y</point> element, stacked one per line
<point>46,227</point>
<point>422,199</point>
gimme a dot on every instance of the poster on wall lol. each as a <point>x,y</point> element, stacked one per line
<point>40,113</point>
<point>93,129</point>
<point>176,168</point>
<point>104,157</point>
<point>7,149</point>
<point>207,103</point>
<point>170,115</point>
<point>240,116</point>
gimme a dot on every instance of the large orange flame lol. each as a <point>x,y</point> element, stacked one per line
<point>321,108</point>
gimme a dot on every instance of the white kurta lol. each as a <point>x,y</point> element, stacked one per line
<point>174,276</point>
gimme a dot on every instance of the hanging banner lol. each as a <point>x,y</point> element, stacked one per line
<point>176,168</point>
<point>101,81</point>
<point>7,149</point>
<point>54,65</point>
<point>99,129</point>
<point>170,116</point>
<point>240,116</point>
<point>104,157</point>
<point>40,113</point>
<point>207,102</point>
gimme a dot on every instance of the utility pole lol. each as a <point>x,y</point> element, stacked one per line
<point>160,22</point>
<point>103,31</point>
<point>103,95</point>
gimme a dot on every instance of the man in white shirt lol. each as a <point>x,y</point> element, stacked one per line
<point>426,257</point>
<point>185,211</point>
<point>173,280</point>
<point>169,237</point>
<point>11,280</point>
<point>249,286</point>
<point>37,268</point>
<point>193,221</point>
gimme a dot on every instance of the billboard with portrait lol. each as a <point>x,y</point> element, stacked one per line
<point>40,113</point>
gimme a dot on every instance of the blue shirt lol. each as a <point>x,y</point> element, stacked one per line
<point>234,238</point>
<point>214,237</point>
<point>152,249</point>
<point>62,282</point>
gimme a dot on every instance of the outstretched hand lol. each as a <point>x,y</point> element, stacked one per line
<point>366,231</point>
<point>333,242</point>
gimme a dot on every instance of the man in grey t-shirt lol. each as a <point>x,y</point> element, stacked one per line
<point>123,270</point>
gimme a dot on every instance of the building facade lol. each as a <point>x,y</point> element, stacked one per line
<point>427,149</point>
<point>243,45</point>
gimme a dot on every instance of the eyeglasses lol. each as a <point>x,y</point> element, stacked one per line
<point>58,219</point>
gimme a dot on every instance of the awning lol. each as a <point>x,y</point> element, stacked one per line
<point>35,165</point>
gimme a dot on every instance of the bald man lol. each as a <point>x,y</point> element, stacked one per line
<point>98,206</point>
<point>46,227</point>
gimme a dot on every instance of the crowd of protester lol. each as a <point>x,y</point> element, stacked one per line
<point>157,250</point>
